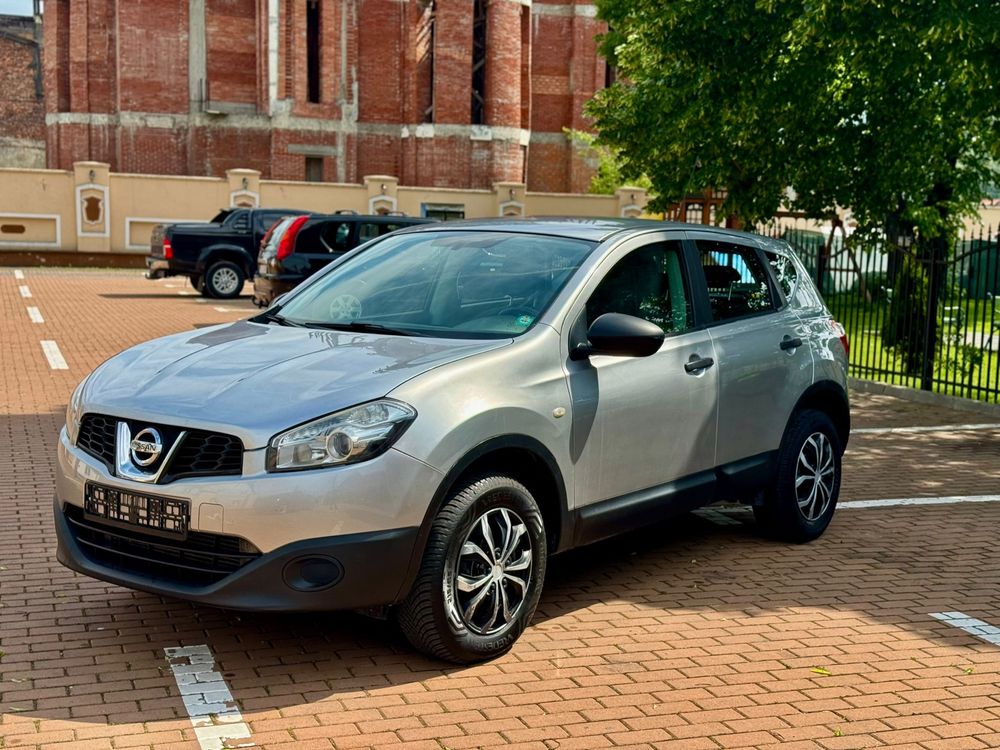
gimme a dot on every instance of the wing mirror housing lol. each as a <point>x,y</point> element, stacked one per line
<point>619,335</point>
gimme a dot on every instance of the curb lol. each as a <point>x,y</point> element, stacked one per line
<point>923,397</point>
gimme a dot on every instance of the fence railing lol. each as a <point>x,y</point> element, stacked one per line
<point>914,318</point>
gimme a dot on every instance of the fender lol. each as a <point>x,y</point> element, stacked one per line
<point>523,442</point>
<point>207,255</point>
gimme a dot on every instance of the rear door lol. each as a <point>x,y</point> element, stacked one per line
<point>762,364</point>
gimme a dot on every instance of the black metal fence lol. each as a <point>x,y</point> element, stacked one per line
<point>915,317</point>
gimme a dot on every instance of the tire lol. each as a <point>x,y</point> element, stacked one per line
<point>224,280</point>
<point>445,622</point>
<point>801,514</point>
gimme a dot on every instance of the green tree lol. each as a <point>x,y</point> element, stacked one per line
<point>605,162</point>
<point>890,108</point>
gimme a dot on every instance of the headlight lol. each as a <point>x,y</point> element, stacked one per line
<point>355,434</point>
<point>74,411</point>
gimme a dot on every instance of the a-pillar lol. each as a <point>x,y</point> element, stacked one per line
<point>92,180</point>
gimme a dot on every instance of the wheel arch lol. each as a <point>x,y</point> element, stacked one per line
<point>830,398</point>
<point>232,253</point>
<point>519,456</point>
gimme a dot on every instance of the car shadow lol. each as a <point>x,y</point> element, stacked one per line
<point>80,650</point>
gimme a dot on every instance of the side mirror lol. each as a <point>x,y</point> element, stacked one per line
<point>618,335</point>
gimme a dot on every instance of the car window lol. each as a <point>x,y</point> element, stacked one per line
<point>241,222</point>
<point>647,283</point>
<point>266,219</point>
<point>736,278</point>
<point>334,236</point>
<point>467,284</point>
<point>784,271</point>
<point>368,231</point>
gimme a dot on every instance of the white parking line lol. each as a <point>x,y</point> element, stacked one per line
<point>186,294</point>
<point>18,273</point>
<point>947,500</point>
<point>24,290</point>
<point>972,626</point>
<point>927,428</point>
<point>225,309</point>
<point>54,356</point>
<point>36,317</point>
<point>217,721</point>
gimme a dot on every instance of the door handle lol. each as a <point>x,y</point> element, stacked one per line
<point>696,363</point>
<point>789,343</point>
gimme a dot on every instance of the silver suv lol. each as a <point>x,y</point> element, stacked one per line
<point>420,425</point>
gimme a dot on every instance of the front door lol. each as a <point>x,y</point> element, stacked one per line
<point>641,424</point>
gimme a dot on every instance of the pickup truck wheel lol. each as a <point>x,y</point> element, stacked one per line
<point>198,282</point>
<point>224,280</point>
<point>482,573</point>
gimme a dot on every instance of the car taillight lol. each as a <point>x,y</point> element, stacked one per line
<point>842,335</point>
<point>168,249</point>
<point>287,241</point>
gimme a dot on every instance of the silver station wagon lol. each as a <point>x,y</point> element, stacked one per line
<point>414,430</point>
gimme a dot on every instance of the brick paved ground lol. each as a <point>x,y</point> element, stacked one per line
<point>689,634</point>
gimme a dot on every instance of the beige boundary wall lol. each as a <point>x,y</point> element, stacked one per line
<point>91,210</point>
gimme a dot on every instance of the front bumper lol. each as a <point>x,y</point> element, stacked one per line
<point>371,568</point>
<point>364,517</point>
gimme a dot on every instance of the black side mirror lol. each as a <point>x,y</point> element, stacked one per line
<point>618,335</point>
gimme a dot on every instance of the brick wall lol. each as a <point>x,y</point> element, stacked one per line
<point>126,100</point>
<point>22,116</point>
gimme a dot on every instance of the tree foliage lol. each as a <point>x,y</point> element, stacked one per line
<point>889,107</point>
<point>606,163</point>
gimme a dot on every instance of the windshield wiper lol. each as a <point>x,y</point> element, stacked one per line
<point>271,316</point>
<point>361,326</point>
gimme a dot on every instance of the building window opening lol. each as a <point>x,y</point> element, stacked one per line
<point>478,115</point>
<point>425,62</point>
<point>314,169</point>
<point>312,50</point>
<point>443,211</point>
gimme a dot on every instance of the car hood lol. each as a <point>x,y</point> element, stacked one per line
<point>254,380</point>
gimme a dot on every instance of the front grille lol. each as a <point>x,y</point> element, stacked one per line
<point>97,437</point>
<point>200,559</point>
<point>206,454</point>
<point>200,454</point>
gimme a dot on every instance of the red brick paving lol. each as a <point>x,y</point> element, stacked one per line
<point>685,635</point>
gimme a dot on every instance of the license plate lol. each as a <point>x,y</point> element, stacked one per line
<point>158,515</point>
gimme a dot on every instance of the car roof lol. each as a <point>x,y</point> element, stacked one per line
<point>594,229</point>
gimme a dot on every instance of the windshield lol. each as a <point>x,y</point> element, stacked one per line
<point>453,284</point>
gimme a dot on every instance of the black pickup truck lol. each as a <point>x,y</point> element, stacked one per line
<point>217,256</point>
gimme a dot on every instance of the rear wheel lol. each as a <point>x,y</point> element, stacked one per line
<point>800,504</point>
<point>224,280</point>
<point>482,573</point>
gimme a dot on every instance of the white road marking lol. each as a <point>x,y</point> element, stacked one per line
<point>947,500</point>
<point>36,317</point>
<point>203,300</point>
<point>24,290</point>
<point>972,626</point>
<point>170,286</point>
<point>54,356</point>
<point>225,309</point>
<point>928,428</point>
<point>217,721</point>
<point>186,294</point>
<point>18,273</point>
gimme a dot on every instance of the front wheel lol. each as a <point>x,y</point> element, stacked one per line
<point>224,280</point>
<point>800,504</point>
<point>482,573</point>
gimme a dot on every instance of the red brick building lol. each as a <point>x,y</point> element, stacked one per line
<point>456,93</point>
<point>22,114</point>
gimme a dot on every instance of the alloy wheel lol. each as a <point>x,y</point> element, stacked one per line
<point>492,573</point>
<point>815,476</point>
<point>225,280</point>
